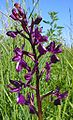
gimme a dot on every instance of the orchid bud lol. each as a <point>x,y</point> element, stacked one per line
<point>37,20</point>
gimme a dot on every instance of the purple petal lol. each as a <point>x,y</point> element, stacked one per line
<point>58,49</point>
<point>51,47</point>
<point>57,102</point>
<point>12,89</point>
<point>44,39</point>
<point>63,95</point>
<point>18,51</point>
<point>15,90</point>
<point>54,59</point>
<point>22,64</point>
<point>21,11</point>
<point>13,17</point>
<point>16,83</point>
<point>16,58</point>
<point>42,50</point>
<point>12,34</point>
<point>28,76</point>
<point>32,109</point>
<point>56,92</point>
<point>14,12</point>
<point>21,99</point>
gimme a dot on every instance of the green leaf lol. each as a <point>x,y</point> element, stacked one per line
<point>60,27</point>
<point>47,22</point>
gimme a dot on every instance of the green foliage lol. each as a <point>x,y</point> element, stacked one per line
<point>54,32</point>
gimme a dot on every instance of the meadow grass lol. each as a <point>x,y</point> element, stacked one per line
<point>61,75</point>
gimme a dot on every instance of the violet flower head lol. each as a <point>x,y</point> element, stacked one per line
<point>53,48</point>
<point>15,86</point>
<point>20,10</point>
<point>42,50</point>
<point>19,59</point>
<point>22,64</point>
<point>21,99</point>
<point>59,96</point>
<point>12,34</point>
<point>37,37</point>
<point>18,54</point>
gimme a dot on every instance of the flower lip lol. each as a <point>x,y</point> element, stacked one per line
<point>53,48</point>
<point>21,99</point>
<point>54,59</point>
<point>22,64</point>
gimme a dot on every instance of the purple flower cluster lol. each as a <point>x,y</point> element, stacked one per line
<point>59,96</point>
<point>36,40</point>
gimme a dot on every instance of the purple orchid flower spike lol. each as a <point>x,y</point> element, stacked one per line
<point>16,85</point>
<point>59,96</point>
<point>33,34</point>
<point>54,49</point>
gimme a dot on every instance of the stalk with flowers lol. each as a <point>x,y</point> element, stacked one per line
<point>36,40</point>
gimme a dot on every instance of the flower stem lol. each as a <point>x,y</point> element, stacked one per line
<point>38,97</point>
